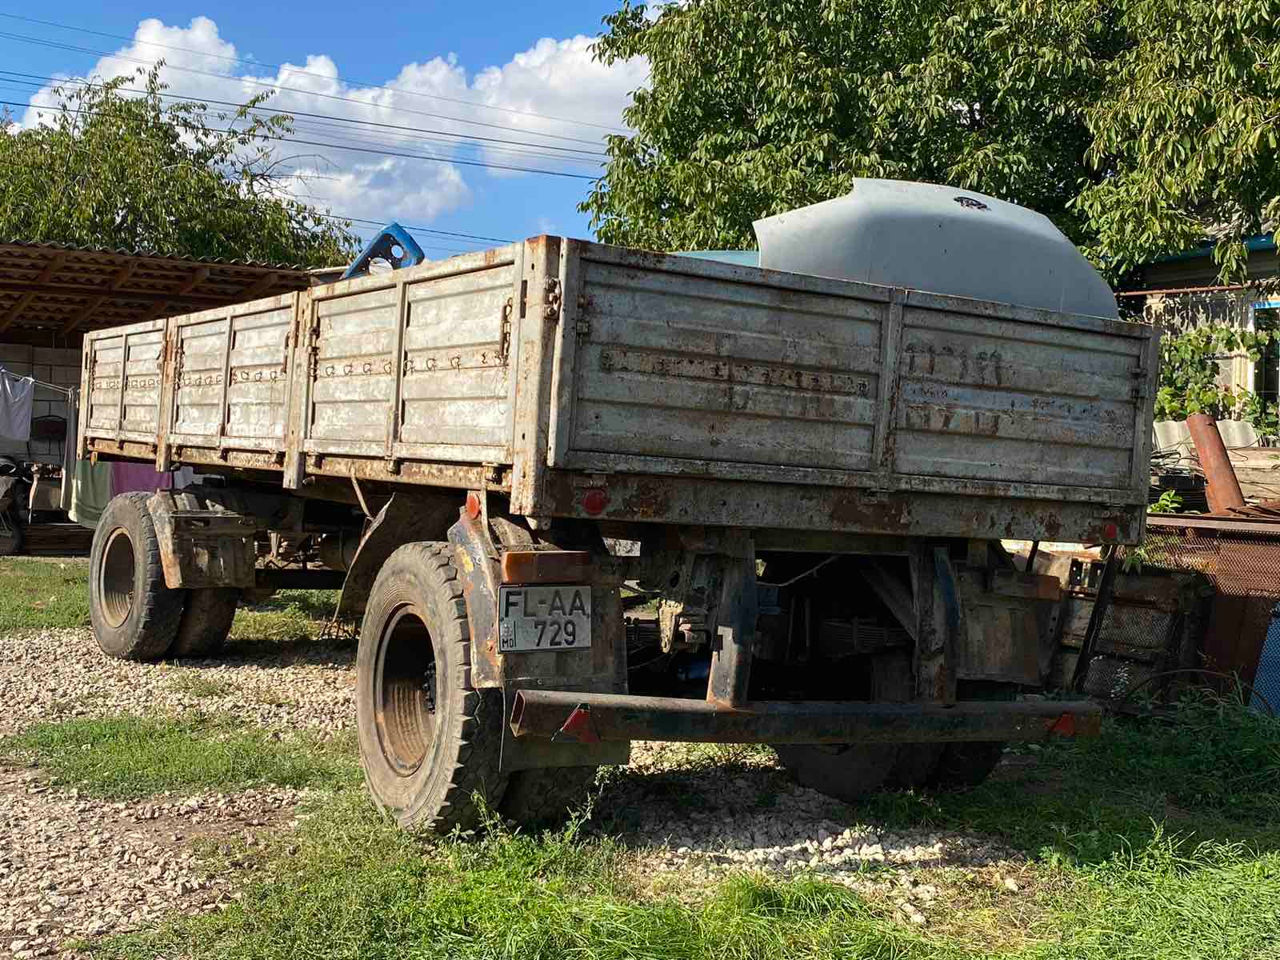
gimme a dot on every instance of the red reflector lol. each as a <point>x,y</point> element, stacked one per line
<point>578,728</point>
<point>1111,532</point>
<point>594,501</point>
<point>1064,726</point>
<point>473,505</point>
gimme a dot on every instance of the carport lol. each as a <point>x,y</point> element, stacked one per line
<point>51,294</point>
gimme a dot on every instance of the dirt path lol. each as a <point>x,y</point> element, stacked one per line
<point>73,867</point>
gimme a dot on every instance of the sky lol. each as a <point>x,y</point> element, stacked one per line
<point>490,91</point>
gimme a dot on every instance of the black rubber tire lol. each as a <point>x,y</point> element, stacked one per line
<point>847,772</point>
<point>429,742</point>
<point>966,764</point>
<point>546,797</point>
<point>206,621</point>
<point>134,615</point>
<point>10,533</point>
<point>969,764</point>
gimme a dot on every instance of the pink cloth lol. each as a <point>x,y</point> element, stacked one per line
<point>137,476</point>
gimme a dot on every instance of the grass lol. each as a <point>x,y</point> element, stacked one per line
<point>1212,773</point>
<point>202,687</point>
<point>1201,883</point>
<point>289,616</point>
<point>352,882</point>
<point>40,594</point>
<point>37,594</point>
<point>128,757</point>
<point>1158,840</point>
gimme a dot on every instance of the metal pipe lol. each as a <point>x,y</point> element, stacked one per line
<point>1097,616</point>
<point>1170,291</point>
<point>566,716</point>
<point>1223,490</point>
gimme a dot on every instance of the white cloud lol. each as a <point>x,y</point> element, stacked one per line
<point>553,78</point>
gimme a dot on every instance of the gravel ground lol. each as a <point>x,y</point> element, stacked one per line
<point>51,675</point>
<point>697,819</point>
<point>72,867</point>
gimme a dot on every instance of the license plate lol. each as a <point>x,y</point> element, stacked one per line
<point>544,618</point>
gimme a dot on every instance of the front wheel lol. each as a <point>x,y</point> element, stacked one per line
<point>429,741</point>
<point>134,615</point>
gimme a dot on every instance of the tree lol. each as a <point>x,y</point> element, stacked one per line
<point>121,171</point>
<point>758,106</point>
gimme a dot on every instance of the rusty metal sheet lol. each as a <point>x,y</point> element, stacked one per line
<point>231,375</point>
<point>998,399</point>
<point>671,366</point>
<point>123,380</point>
<point>704,369</point>
<point>594,717</point>
<point>415,366</point>
<point>655,389</point>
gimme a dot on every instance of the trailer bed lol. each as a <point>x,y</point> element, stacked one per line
<point>614,384</point>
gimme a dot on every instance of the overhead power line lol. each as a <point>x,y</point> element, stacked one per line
<point>379,151</point>
<point>307,73</point>
<point>34,79</point>
<point>325,128</point>
<point>274,86</point>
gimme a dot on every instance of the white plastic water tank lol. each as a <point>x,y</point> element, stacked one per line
<point>940,239</point>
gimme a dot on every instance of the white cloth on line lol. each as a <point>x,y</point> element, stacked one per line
<point>69,447</point>
<point>16,395</point>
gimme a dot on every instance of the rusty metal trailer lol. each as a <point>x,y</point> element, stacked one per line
<point>817,473</point>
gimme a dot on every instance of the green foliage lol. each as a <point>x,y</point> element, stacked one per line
<point>1168,502</point>
<point>113,169</point>
<point>1190,367</point>
<point>1140,127</point>
<point>130,757</point>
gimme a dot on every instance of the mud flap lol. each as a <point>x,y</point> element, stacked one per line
<point>599,669</point>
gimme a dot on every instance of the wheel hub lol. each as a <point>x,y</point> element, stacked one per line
<point>407,692</point>
<point>116,577</point>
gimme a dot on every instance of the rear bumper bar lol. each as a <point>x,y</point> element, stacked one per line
<point>564,716</point>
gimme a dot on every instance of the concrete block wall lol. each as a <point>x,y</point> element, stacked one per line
<point>53,366</point>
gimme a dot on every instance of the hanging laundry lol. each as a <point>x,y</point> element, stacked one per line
<point>69,449</point>
<point>90,492</point>
<point>16,394</point>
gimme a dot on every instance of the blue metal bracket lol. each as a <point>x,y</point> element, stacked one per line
<point>384,246</point>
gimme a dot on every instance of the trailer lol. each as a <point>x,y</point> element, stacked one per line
<point>578,495</point>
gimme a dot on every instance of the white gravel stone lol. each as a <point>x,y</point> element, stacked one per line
<point>52,675</point>
<point>74,868</point>
<point>746,814</point>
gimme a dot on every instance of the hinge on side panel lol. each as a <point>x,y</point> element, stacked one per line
<point>551,308</point>
<point>504,344</point>
<point>583,327</point>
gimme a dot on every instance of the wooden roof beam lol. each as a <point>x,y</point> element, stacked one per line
<point>113,285</point>
<point>258,288</point>
<point>24,301</point>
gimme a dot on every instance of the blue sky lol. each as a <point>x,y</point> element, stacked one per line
<point>507,71</point>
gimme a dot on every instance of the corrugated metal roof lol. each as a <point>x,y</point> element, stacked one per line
<point>150,254</point>
<point>51,293</point>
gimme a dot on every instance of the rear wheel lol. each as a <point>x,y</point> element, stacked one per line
<point>850,771</point>
<point>134,615</point>
<point>429,742</point>
<point>206,621</point>
<point>547,796</point>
